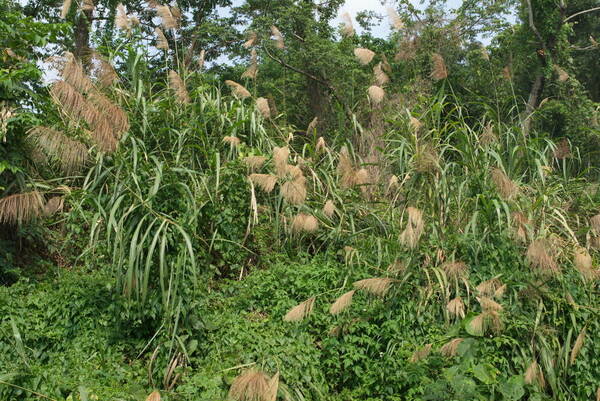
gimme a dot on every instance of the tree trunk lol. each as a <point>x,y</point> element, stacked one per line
<point>82,35</point>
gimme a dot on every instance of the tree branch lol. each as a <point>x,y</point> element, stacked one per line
<point>581,12</point>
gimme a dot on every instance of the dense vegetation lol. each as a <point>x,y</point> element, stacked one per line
<point>328,215</point>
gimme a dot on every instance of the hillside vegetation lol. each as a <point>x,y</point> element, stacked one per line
<point>329,215</point>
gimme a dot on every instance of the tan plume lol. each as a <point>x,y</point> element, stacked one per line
<point>277,37</point>
<point>345,168</point>
<point>563,149</point>
<point>70,154</point>
<point>376,94</point>
<point>381,77</point>
<point>396,267</point>
<point>304,223</point>
<point>121,19</point>
<point>420,354</point>
<point>105,73</point>
<point>506,187</point>
<point>595,223</point>
<point>66,6</point>
<point>252,39</point>
<point>540,255</point>
<point>583,264</point>
<point>378,286</point>
<point>321,145</point>
<point>450,349</point>
<point>438,70</point>
<point>578,345</point>
<point>329,209</point>
<point>489,287</point>
<point>488,136</point>
<point>154,396</point>
<point>168,21</point>
<point>54,205</point>
<point>364,56</point>
<point>252,385</point>
<point>21,208</point>
<point>255,162</point>
<point>238,90</point>
<point>562,74</point>
<point>534,375</point>
<point>201,58</point>
<point>395,20</point>
<point>161,39</point>
<point>348,28</point>
<point>280,158</point>
<point>262,105</point>
<point>266,182</point>
<point>456,307</point>
<point>300,311</point>
<point>73,73</point>
<point>488,304</point>
<point>456,270</point>
<point>252,71</point>
<point>233,141</point>
<point>342,303</point>
<point>178,86</point>
<point>414,228</point>
<point>294,191</point>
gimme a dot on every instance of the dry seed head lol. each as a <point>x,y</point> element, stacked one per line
<point>238,90</point>
<point>70,154</point>
<point>304,223</point>
<point>161,39</point>
<point>563,150</point>
<point>321,146</point>
<point>578,345</point>
<point>420,354</point>
<point>426,158</point>
<point>487,136</point>
<point>488,288</point>
<point>456,307</point>
<point>154,396</point>
<point>364,56</point>
<point>499,293</point>
<point>407,51</point>
<point>562,74</point>
<point>506,73</point>
<point>266,182</point>
<point>396,268</point>
<point>277,37</point>
<point>21,208</point>
<point>234,141</point>
<point>361,177</point>
<point>415,124</point>
<point>66,6</point>
<point>342,303</point>
<point>262,105</point>
<point>73,73</point>
<point>168,21</point>
<point>534,375</point>
<point>395,20</point>
<point>312,126</point>
<point>280,158</point>
<point>201,59</point>
<point>105,72</point>
<point>252,70</point>
<point>505,186</point>
<point>583,264</point>
<point>595,223</point>
<point>177,85</point>
<point>414,229</point>
<point>489,305</point>
<point>345,168</point>
<point>121,18</point>
<point>450,349</point>
<point>252,385</point>
<point>439,70</point>
<point>477,324</point>
<point>255,162</point>
<point>540,255</point>
<point>300,311</point>
<point>109,111</point>
<point>381,77</point>
<point>376,94</point>
<point>54,205</point>
<point>378,286</point>
<point>329,209</point>
<point>348,29</point>
<point>294,191</point>
<point>252,39</point>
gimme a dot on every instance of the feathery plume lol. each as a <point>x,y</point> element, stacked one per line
<point>312,126</point>
<point>563,150</point>
<point>66,6</point>
<point>378,286</point>
<point>420,354</point>
<point>238,90</point>
<point>273,387</point>
<point>321,146</point>
<point>21,208</point>
<point>439,70</point>
<point>255,162</point>
<point>234,141</point>
<point>262,105</point>
<point>294,191</point>
<point>507,73</point>
<point>115,115</point>
<point>201,58</point>
<point>364,56</point>
<point>161,39</point>
<point>505,186</point>
<point>342,303</point>
<point>455,270</point>
<point>70,154</point>
<point>534,375</point>
<point>562,74</point>
<point>266,182</point>
<point>415,124</point>
<point>88,5</point>
<point>121,18</point>
<point>595,223</point>
<point>414,228</point>
<point>252,39</point>
<point>487,136</point>
<point>488,288</point>
<point>54,205</point>
<point>450,349</point>
<point>381,77</point>
<point>395,20</point>
<point>578,345</point>
<point>385,65</point>
<point>376,94</point>
<point>540,255</point>
<point>177,85</point>
<point>407,51</point>
<point>456,307</point>
<point>251,385</point>
<point>348,29</point>
<point>73,73</point>
<point>361,177</point>
<point>280,158</point>
<point>277,37</point>
<point>396,267</point>
<point>488,304</point>
<point>168,21</point>
<point>329,209</point>
<point>345,168</point>
<point>105,72</point>
<point>252,70</point>
<point>304,223</point>
<point>154,396</point>
<point>300,311</point>
<point>583,264</point>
